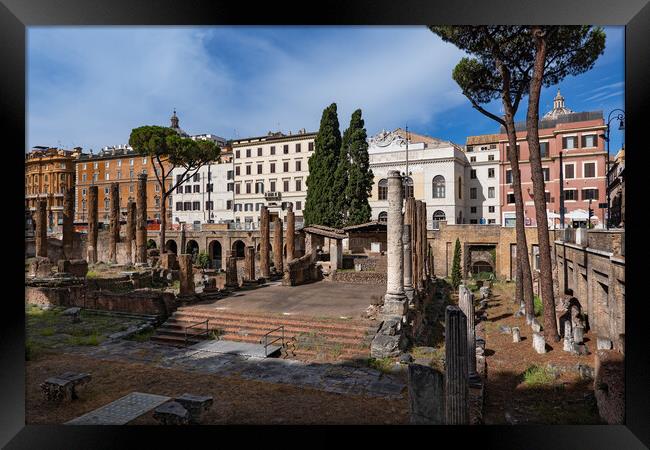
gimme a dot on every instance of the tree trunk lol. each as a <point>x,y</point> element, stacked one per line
<point>532,118</point>
<point>163,221</point>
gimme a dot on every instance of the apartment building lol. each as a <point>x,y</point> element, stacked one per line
<point>483,180</point>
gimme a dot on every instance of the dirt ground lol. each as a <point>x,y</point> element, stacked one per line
<point>236,401</point>
<point>566,400</point>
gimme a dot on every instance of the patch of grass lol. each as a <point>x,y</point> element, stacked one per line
<point>337,349</point>
<point>48,331</point>
<point>92,274</point>
<point>142,336</point>
<point>536,376</point>
<point>93,339</point>
<point>382,364</point>
<point>32,350</point>
<point>538,306</point>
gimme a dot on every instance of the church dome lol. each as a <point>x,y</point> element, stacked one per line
<point>558,108</point>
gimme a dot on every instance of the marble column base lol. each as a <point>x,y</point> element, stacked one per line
<point>395,304</point>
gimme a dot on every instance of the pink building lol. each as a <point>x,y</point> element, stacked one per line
<point>578,137</point>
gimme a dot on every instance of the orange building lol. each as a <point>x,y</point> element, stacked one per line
<point>48,172</point>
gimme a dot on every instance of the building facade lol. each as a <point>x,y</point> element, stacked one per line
<point>436,174</point>
<point>482,177</point>
<point>616,182</point>
<point>48,173</point>
<point>270,170</point>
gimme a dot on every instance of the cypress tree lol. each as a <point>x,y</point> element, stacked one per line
<point>320,205</point>
<point>340,184</point>
<point>455,267</point>
<point>360,177</point>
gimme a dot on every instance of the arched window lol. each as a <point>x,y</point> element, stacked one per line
<point>408,187</point>
<point>383,216</point>
<point>383,189</point>
<point>439,187</point>
<point>437,217</point>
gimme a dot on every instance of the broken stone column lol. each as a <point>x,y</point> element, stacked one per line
<point>291,232</point>
<point>417,270</point>
<point>141,222</point>
<point>249,260</point>
<point>423,241</point>
<point>277,245</point>
<point>410,219</point>
<point>186,274</point>
<point>91,244</point>
<point>264,243</point>
<point>539,343</point>
<point>336,254</point>
<point>568,337</point>
<point>456,377</point>
<point>41,228</point>
<point>68,221</point>
<point>114,234</point>
<point>231,271</point>
<point>426,387</point>
<point>395,302</point>
<point>408,274</point>
<point>516,335</point>
<point>467,307</point>
<point>130,230</point>
<point>578,334</point>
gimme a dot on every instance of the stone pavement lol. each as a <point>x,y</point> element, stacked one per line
<point>337,378</point>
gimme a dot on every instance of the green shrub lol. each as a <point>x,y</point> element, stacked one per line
<point>538,376</point>
<point>381,364</point>
<point>203,260</point>
<point>93,339</point>
<point>538,306</point>
<point>455,268</point>
<point>92,274</point>
<point>49,331</point>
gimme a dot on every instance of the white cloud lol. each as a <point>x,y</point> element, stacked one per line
<point>91,86</point>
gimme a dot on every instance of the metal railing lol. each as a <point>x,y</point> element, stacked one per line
<point>206,331</point>
<point>264,339</point>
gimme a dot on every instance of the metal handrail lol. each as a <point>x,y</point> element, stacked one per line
<point>266,336</point>
<point>206,332</point>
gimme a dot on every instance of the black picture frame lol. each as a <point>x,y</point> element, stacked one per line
<point>16,15</point>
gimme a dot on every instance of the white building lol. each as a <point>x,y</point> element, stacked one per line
<point>271,170</point>
<point>208,196</point>
<point>437,174</point>
<point>482,180</point>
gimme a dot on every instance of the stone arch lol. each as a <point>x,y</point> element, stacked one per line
<point>151,244</point>
<point>192,248</point>
<point>171,247</point>
<point>438,216</point>
<point>407,187</point>
<point>481,266</point>
<point>383,216</point>
<point>216,254</point>
<point>238,248</point>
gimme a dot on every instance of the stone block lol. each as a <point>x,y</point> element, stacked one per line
<point>395,305</point>
<point>168,261</point>
<point>426,395</point>
<point>516,336</point>
<point>383,345</point>
<point>578,334</point>
<point>172,413</point>
<point>63,266</point>
<point>603,343</point>
<point>40,267</point>
<point>195,405</point>
<point>64,386</point>
<point>539,343</point>
<point>78,268</point>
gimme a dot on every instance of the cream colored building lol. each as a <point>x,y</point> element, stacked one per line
<point>270,170</point>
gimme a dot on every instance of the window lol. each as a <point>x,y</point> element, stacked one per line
<point>248,153</point>
<point>298,185</point>
<point>310,146</point>
<point>179,206</point>
<point>472,193</point>
<point>298,206</point>
<point>209,187</point>
<point>196,206</point>
<point>298,148</point>
<point>286,166</point>
<point>543,149</point>
<point>590,194</point>
<point>144,171</point>
<point>107,164</point>
<point>383,216</point>
<point>179,190</point>
<point>237,154</point>
<point>229,187</point>
<point>83,192</point>
<point>589,170</point>
<point>95,165</point>
<point>547,196</point>
<point>188,189</point>
<point>230,175</point>
<point>407,190</point>
<point>472,159</point>
<point>460,184</point>
<point>547,173</point>
<point>272,168</point>
<point>492,221</point>
<point>209,205</point>
<point>286,149</point>
<point>490,209</point>
<point>569,142</point>
<point>259,169</point>
<point>259,187</point>
<point>490,157</point>
<point>473,221</point>
<point>187,206</point>
<point>107,176</point>
<point>196,178</point>
<point>157,187</point>
<point>570,194</point>
<point>84,167</point>
<point>438,216</point>
<point>472,210</point>
<point>491,192</point>
<point>95,177</point>
<point>228,204</point>
<point>106,204</point>
<point>83,177</point>
<point>383,189</point>
<point>259,151</point>
<point>273,149</point>
<point>131,188</point>
<point>298,166</point>
<point>511,198</point>
<point>131,161</point>
<point>249,188</point>
<point>518,149</point>
<point>286,185</point>
<point>472,174</point>
<point>257,206</point>
<point>83,204</point>
<point>237,170</point>
<point>237,188</point>
<point>248,169</point>
<point>589,140</point>
<point>119,163</point>
<point>197,188</point>
<point>119,174</point>
<point>439,186</point>
<point>157,201</point>
<point>490,173</point>
<point>569,171</point>
<point>509,176</point>
<point>273,186</point>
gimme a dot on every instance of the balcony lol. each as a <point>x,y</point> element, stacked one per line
<point>273,196</point>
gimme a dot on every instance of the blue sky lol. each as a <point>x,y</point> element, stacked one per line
<point>89,86</point>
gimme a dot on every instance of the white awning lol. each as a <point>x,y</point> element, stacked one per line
<point>578,214</point>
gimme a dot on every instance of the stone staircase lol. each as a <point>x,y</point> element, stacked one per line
<point>306,338</point>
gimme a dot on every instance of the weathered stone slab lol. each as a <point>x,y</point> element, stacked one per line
<point>195,405</point>
<point>516,335</point>
<point>539,343</point>
<point>121,411</point>
<point>172,413</point>
<point>426,395</point>
<point>63,387</point>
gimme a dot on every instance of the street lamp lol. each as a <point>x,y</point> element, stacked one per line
<point>621,126</point>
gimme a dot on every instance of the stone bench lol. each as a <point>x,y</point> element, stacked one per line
<point>63,387</point>
<point>195,405</point>
<point>172,413</point>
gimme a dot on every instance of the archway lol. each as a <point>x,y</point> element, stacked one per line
<point>438,216</point>
<point>171,247</point>
<point>192,248</point>
<point>215,254</point>
<point>151,244</point>
<point>383,217</point>
<point>238,248</point>
<point>481,267</point>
